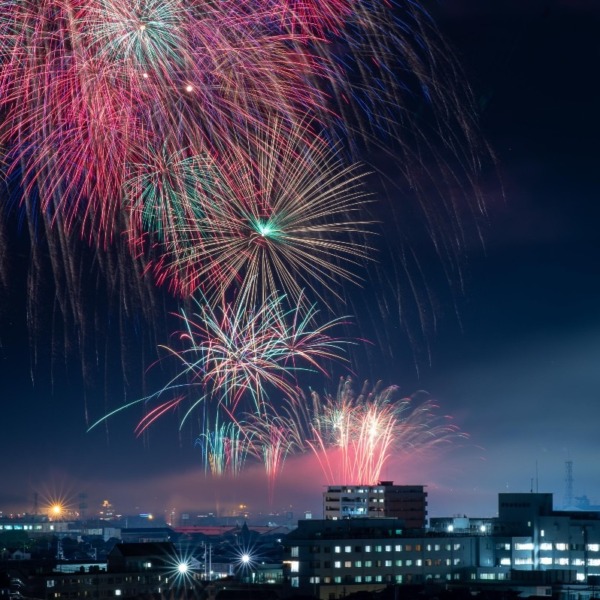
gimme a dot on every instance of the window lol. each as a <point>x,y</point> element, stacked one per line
<point>357,548</point>
<point>398,548</point>
<point>388,548</point>
<point>368,578</point>
<point>561,546</point>
<point>294,551</point>
<point>398,563</point>
<point>593,547</point>
<point>337,549</point>
<point>347,548</point>
<point>527,546</point>
<point>337,579</point>
<point>388,563</point>
<point>358,579</point>
<point>358,563</point>
<point>295,582</point>
<point>367,548</point>
<point>368,563</point>
<point>337,564</point>
<point>378,548</point>
<point>545,546</point>
<point>347,564</point>
<point>315,580</point>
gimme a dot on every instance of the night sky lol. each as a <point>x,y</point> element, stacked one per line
<point>516,364</point>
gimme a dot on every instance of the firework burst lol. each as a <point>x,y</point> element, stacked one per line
<point>354,436</point>
<point>233,353</point>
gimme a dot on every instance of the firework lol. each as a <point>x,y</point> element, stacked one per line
<point>272,441</point>
<point>232,353</point>
<point>290,218</point>
<point>353,436</point>
<point>224,448</point>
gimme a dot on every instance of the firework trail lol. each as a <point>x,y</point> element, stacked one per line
<point>272,441</point>
<point>224,446</point>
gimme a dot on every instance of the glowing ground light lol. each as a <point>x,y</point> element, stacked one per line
<point>182,568</point>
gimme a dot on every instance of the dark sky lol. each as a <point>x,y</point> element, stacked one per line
<point>517,368</point>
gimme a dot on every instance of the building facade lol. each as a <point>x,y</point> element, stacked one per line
<point>528,542</point>
<point>406,502</point>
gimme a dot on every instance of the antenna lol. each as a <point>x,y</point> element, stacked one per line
<point>568,499</point>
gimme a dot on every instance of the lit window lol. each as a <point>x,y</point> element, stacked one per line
<point>398,563</point>
<point>294,566</point>
<point>546,560</point>
<point>337,549</point>
<point>314,579</point>
<point>337,564</point>
<point>398,548</point>
<point>358,563</point>
<point>347,564</point>
<point>368,578</point>
<point>358,579</point>
<point>368,563</point>
<point>295,582</point>
<point>378,548</point>
<point>367,548</point>
<point>594,562</point>
<point>388,548</point>
<point>561,546</point>
<point>419,562</point>
<point>527,546</point>
<point>388,563</point>
<point>545,546</point>
<point>347,548</point>
<point>117,592</point>
<point>593,547</point>
<point>505,561</point>
<point>337,579</point>
<point>294,551</point>
<point>561,561</point>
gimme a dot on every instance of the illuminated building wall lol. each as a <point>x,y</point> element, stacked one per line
<point>406,502</point>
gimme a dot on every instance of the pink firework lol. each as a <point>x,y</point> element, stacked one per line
<point>354,436</point>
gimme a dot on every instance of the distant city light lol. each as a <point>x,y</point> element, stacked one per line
<point>182,567</point>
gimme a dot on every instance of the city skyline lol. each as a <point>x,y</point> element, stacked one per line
<point>513,359</point>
